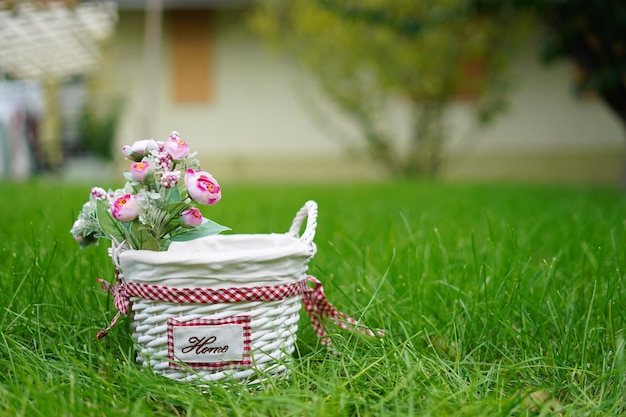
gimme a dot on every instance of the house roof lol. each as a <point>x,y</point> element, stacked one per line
<point>53,39</point>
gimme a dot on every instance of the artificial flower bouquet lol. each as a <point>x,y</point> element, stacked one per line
<point>154,207</point>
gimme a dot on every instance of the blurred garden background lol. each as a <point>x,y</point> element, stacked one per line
<point>467,157</point>
<point>318,89</point>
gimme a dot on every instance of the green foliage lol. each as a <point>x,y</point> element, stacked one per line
<point>367,54</point>
<point>159,227</point>
<point>499,300</point>
<point>97,128</point>
<point>591,34</point>
<point>142,236</point>
<point>207,228</point>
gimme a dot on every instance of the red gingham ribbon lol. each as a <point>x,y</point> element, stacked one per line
<point>318,307</point>
<point>120,300</point>
<point>314,299</point>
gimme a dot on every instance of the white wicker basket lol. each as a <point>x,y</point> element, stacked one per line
<point>212,341</point>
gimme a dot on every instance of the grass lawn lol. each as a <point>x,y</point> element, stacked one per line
<point>499,300</point>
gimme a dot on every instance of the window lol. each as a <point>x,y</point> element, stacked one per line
<point>191,55</point>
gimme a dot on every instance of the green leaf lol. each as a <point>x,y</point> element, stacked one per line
<point>110,227</point>
<point>175,208</point>
<point>207,228</point>
<point>174,195</point>
<point>143,238</point>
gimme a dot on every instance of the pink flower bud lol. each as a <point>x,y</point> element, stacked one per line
<point>98,193</point>
<point>176,147</point>
<point>139,149</point>
<point>191,217</point>
<point>139,170</point>
<point>111,196</point>
<point>125,208</point>
<point>202,187</point>
<point>170,179</point>
<point>74,231</point>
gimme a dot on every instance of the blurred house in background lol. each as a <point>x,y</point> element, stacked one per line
<point>195,67</point>
<point>253,115</point>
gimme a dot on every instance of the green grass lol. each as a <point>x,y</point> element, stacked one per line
<point>493,296</point>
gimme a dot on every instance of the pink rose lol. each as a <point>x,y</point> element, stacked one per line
<point>176,147</point>
<point>139,149</point>
<point>191,217</point>
<point>139,170</point>
<point>125,208</point>
<point>202,187</point>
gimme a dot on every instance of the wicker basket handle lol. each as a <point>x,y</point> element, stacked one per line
<point>308,212</point>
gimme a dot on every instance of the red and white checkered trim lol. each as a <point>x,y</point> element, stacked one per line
<point>213,296</point>
<point>314,299</point>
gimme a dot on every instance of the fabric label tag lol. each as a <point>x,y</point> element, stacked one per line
<point>209,343</point>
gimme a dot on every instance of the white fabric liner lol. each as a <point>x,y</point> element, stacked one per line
<point>220,261</point>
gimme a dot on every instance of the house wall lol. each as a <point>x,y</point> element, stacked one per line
<point>266,120</point>
<point>549,132</point>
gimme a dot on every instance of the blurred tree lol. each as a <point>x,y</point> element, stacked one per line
<point>592,34</point>
<point>97,128</point>
<point>366,53</point>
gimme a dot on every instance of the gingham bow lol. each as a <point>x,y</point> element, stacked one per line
<point>318,307</point>
<point>314,299</point>
<point>120,300</point>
